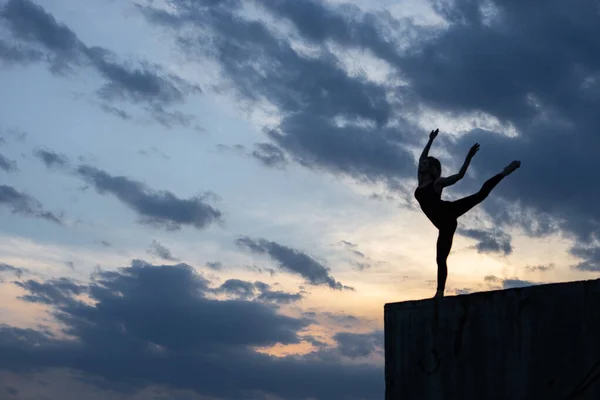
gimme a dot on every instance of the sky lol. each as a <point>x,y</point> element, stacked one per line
<point>205,199</point>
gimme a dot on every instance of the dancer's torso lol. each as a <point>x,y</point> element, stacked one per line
<point>430,201</point>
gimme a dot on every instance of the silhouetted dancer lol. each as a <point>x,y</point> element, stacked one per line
<point>444,214</point>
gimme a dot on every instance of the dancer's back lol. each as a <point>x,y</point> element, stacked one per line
<point>430,201</point>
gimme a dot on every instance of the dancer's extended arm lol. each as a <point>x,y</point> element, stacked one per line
<point>451,180</point>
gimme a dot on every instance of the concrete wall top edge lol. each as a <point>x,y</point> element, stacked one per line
<point>427,302</point>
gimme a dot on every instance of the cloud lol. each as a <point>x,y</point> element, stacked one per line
<point>269,155</point>
<point>154,325</point>
<point>463,291</point>
<point>157,208</point>
<point>364,261</point>
<point>238,288</point>
<point>309,92</point>
<point>495,241</point>
<point>16,54</point>
<point>278,297</point>
<point>7,165</point>
<point>538,80</point>
<point>5,268</point>
<point>293,261</point>
<point>590,256</point>
<point>356,345</point>
<point>161,251</point>
<point>495,283</point>
<point>38,36</point>
<point>258,291</point>
<point>21,203</point>
<point>516,283</point>
<point>153,150</point>
<point>52,159</point>
<point>216,265</point>
<point>57,291</point>
<point>541,268</point>
<point>116,111</point>
<point>342,319</point>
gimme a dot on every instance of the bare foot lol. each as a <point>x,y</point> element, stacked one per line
<point>511,167</point>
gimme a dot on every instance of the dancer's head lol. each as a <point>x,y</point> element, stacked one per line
<point>435,167</point>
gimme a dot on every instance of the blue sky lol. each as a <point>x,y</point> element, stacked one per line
<point>214,199</point>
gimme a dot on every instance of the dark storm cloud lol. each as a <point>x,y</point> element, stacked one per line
<point>157,208</point>
<point>540,78</point>
<point>309,92</point>
<point>52,159</point>
<point>494,241</point>
<point>161,251</point>
<point>590,256</point>
<point>293,261</point>
<point>56,291</point>
<point>21,203</point>
<point>7,165</point>
<point>36,31</point>
<point>153,325</point>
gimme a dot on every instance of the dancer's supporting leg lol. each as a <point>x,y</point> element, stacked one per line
<point>444,245</point>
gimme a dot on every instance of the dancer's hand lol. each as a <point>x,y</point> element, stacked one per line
<point>433,134</point>
<point>473,151</point>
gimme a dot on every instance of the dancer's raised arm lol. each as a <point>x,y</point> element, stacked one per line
<point>451,180</point>
<point>425,152</point>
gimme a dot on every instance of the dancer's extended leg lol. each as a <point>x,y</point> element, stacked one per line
<point>461,206</point>
<point>444,244</point>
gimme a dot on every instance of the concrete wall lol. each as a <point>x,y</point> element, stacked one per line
<point>531,343</point>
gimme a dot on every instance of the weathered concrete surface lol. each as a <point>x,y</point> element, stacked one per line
<point>531,343</point>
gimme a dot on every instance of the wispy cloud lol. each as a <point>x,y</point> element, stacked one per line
<point>156,208</point>
<point>38,36</point>
<point>161,251</point>
<point>22,203</point>
<point>293,261</point>
<point>7,165</point>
